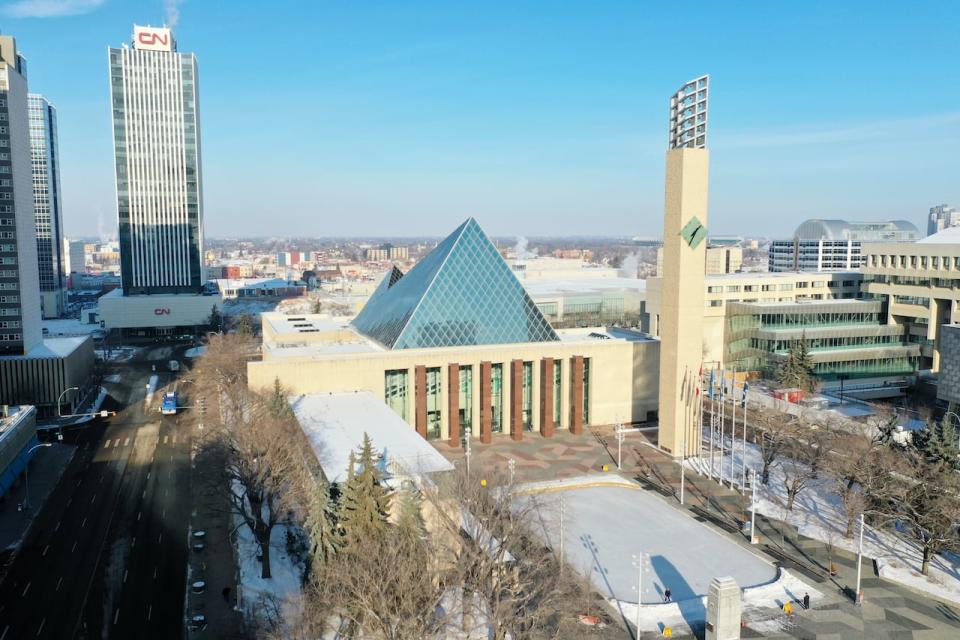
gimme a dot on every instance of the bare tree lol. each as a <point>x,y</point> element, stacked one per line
<point>772,434</point>
<point>807,453</point>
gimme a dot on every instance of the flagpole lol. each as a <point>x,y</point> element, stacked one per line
<point>713,416</point>
<point>743,465</point>
<point>700,422</point>
<point>686,427</point>
<point>723,417</point>
<point>733,423</point>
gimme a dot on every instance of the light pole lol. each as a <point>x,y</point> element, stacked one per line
<point>621,434</point>
<point>26,473</point>
<point>753,505</point>
<point>856,594</point>
<point>468,432</point>
<point>512,466</point>
<point>62,393</point>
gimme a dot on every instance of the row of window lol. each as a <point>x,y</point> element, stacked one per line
<point>915,262</point>
<point>11,337</point>
<point>396,390</point>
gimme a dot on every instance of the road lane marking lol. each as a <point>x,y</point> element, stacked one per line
<point>40,630</point>
<point>93,498</point>
<point>126,442</point>
<point>57,528</point>
<point>160,539</point>
<point>78,482</point>
<point>4,634</point>
<point>134,543</point>
<point>148,475</point>
<point>139,513</point>
<point>174,441</point>
<point>45,549</point>
<point>70,501</point>
<point>144,495</point>
<point>125,571</point>
<point>106,445</point>
<point>116,615</point>
<point>25,589</point>
<point>149,613</point>
<point>74,547</point>
<point>165,439</point>
<point>154,577</point>
<point>83,523</point>
<point>116,443</point>
<point>59,582</point>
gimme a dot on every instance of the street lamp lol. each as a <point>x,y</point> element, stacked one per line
<point>621,434</point>
<point>60,397</point>
<point>468,433</point>
<point>512,465</point>
<point>26,473</point>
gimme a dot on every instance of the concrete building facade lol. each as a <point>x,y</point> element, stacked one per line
<point>40,377</point>
<point>942,217</point>
<point>920,283</point>
<point>828,245</point>
<point>948,383</point>
<point>20,316</point>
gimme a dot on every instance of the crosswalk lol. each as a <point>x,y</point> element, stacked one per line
<point>111,443</point>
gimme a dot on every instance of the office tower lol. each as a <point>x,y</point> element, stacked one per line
<point>45,157</point>
<point>942,217</point>
<point>825,245</point>
<point>20,327</point>
<point>156,129</point>
<point>76,253</point>
<point>684,259</point>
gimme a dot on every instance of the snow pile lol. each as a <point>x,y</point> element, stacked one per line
<point>195,352</point>
<point>818,513</point>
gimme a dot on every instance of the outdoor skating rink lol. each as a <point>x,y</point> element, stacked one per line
<point>604,527</point>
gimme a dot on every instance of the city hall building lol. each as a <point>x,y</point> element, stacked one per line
<point>457,343</point>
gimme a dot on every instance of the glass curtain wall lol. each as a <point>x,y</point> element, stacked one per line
<point>496,398</point>
<point>395,391</point>
<point>433,403</point>
<point>527,397</point>
<point>557,390</point>
<point>586,391</point>
<point>466,398</point>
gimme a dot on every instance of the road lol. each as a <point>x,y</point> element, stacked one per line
<point>107,554</point>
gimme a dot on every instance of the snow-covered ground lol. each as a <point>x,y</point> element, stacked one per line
<point>818,513</point>
<point>116,354</point>
<point>151,389</point>
<point>606,528</point>
<point>195,352</point>
<point>234,308</point>
<point>283,589</point>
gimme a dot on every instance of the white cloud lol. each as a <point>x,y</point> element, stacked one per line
<point>49,8</point>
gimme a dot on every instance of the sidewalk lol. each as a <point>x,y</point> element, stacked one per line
<point>84,407</point>
<point>215,564</point>
<point>45,470</point>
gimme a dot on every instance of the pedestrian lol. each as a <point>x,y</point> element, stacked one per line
<point>806,600</point>
<point>666,594</point>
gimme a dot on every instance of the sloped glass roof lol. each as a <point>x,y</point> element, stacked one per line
<point>461,293</point>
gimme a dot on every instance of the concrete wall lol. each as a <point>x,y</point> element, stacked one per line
<point>40,380</point>
<point>184,310</point>
<point>622,385</point>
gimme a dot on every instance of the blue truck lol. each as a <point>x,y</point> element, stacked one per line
<point>169,405</point>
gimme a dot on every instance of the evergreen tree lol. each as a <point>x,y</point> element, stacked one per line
<point>366,503</point>
<point>278,400</point>
<point>215,320</point>
<point>410,524</point>
<point>245,325</point>
<point>797,369</point>
<point>937,442</point>
<point>322,524</point>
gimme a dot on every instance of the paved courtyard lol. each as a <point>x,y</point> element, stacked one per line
<point>605,527</point>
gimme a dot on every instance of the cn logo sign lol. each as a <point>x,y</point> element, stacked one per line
<point>147,38</point>
<point>153,39</point>
<point>161,312</point>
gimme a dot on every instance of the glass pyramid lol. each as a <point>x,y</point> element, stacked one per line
<point>461,293</point>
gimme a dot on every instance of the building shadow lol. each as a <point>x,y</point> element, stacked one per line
<point>691,604</point>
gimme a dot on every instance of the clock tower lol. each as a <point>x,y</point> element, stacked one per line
<point>684,266</point>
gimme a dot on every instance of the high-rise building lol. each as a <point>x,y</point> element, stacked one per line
<point>156,127</point>
<point>45,157</point>
<point>826,245</point>
<point>942,217</point>
<point>684,266</point>
<point>20,328</point>
<point>76,253</point>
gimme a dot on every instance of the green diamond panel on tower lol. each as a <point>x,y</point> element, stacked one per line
<point>461,293</point>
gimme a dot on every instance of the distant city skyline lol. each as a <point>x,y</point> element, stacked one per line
<point>392,120</point>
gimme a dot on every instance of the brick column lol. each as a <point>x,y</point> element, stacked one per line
<point>546,397</point>
<point>420,406</point>
<point>516,399</point>
<point>576,395</point>
<point>486,408</point>
<point>453,403</point>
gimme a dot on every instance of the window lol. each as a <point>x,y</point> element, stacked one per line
<point>466,397</point>
<point>714,289</point>
<point>395,391</point>
<point>557,390</point>
<point>714,303</point>
<point>586,391</point>
<point>526,400</point>
<point>433,403</point>
<point>496,398</point>
<point>733,288</point>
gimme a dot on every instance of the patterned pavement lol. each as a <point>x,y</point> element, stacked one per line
<point>888,611</point>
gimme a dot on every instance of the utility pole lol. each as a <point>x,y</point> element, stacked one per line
<point>723,410</point>
<point>858,599</point>
<point>733,422</point>
<point>621,434</point>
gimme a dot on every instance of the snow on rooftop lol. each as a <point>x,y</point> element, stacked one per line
<point>52,348</point>
<point>950,235</point>
<point>335,423</point>
<point>587,285</point>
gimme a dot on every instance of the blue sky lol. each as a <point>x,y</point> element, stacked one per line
<point>539,118</point>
